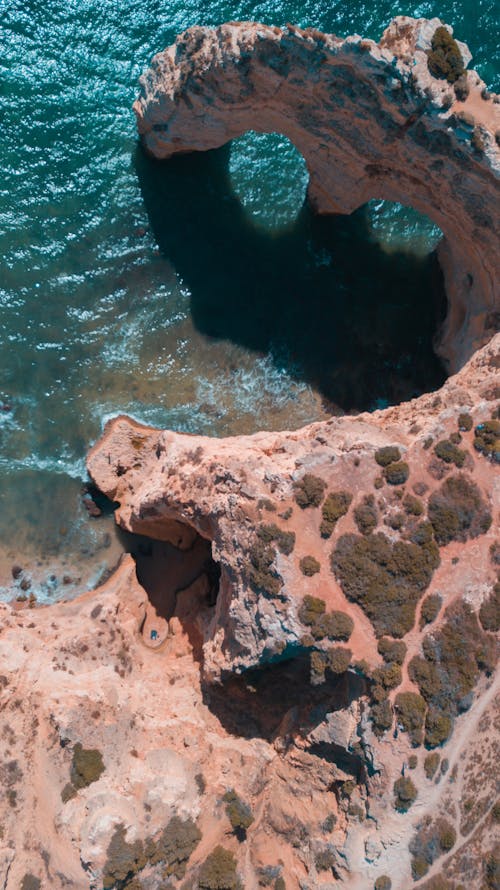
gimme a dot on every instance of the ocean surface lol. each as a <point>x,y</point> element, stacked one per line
<point>199,295</point>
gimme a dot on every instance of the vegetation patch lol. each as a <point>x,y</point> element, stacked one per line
<point>430,608</point>
<point>309,491</point>
<point>386,579</point>
<point>86,767</point>
<point>272,533</point>
<point>218,872</point>
<point>392,650</point>
<point>336,504</point>
<point>30,882</point>
<point>405,794</point>
<point>447,451</point>
<point>487,439</point>
<point>366,515</point>
<point>309,566</point>
<point>239,813</point>
<point>383,882</point>
<point>335,625</point>
<point>410,710</point>
<point>432,840</point>
<point>381,716</point>
<point>444,59</point>
<point>173,847</point>
<point>431,764</point>
<point>263,577</point>
<point>457,511</point>
<point>337,660</point>
<point>389,454</point>
<point>412,505</point>
<point>453,659</point>
<point>396,474</point>
<point>464,422</point>
<point>489,613</point>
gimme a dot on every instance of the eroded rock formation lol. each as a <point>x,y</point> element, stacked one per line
<point>370,121</point>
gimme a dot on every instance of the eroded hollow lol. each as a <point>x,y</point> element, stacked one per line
<point>321,296</point>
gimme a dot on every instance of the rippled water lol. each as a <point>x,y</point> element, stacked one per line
<point>112,300</point>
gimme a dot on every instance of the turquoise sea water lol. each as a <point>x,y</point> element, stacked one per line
<point>199,295</point>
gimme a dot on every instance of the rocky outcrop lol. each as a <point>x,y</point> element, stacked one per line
<point>370,122</point>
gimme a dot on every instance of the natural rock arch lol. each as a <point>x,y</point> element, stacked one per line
<point>370,122</point>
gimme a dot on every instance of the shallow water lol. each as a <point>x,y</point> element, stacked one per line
<point>113,300</point>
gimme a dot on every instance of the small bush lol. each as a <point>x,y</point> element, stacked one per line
<point>339,659</point>
<point>489,612</point>
<point>457,511</point>
<point>336,504</point>
<point>410,709</point>
<point>335,625</point>
<point>263,578</point>
<point>311,609</point>
<point>174,847</point>
<point>218,872</point>
<point>30,882</point>
<point>413,506</point>
<point>68,792</point>
<point>274,534</point>
<point>238,812</point>
<point>389,454</point>
<point>464,422</point>
<point>412,761</point>
<point>385,578</point>
<point>397,474</point>
<point>383,883</point>
<point>477,141</point>
<point>87,766</point>
<point>309,491</point>
<point>438,728</point>
<point>431,764</point>
<point>392,650</point>
<point>444,59</point>
<point>419,868</point>
<point>381,717</point>
<point>325,859</point>
<point>447,836</point>
<point>487,439</point>
<point>405,794</point>
<point>279,883</point>
<point>430,609</point>
<point>461,88</point>
<point>449,453</point>
<point>388,676</point>
<point>366,515</point>
<point>309,566</point>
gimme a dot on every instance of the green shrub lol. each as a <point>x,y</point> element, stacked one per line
<point>309,491</point>
<point>431,764</point>
<point>218,872</point>
<point>447,835</point>
<point>238,812</point>
<point>412,761</point>
<point>366,515</point>
<point>405,794</point>
<point>336,504</point>
<point>86,767</point>
<point>397,474</point>
<point>30,882</point>
<point>430,608</point>
<point>384,578</point>
<point>389,454</point>
<point>309,566</point>
<point>392,650</point>
<point>457,511</point>
<point>335,625</point>
<point>263,578</point>
<point>410,709</point>
<point>274,534</point>
<point>489,612</point>
<point>279,884</point>
<point>173,847</point>
<point>444,59</point>
<point>419,868</point>
<point>453,658</point>
<point>461,88</point>
<point>339,659</point>
<point>68,792</point>
<point>383,883</point>
<point>325,859</point>
<point>449,453</point>
<point>477,141</point>
<point>413,506</point>
<point>388,676</point>
<point>318,665</point>
<point>495,553</point>
<point>487,439</point>
<point>381,717</point>
<point>464,422</point>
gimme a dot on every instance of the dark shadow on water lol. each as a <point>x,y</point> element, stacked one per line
<point>326,302</point>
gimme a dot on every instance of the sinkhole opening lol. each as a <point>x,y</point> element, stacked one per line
<point>335,302</point>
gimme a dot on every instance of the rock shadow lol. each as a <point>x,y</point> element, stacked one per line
<point>278,701</point>
<point>321,297</point>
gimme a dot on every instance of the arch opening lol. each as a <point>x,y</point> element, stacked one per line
<point>270,178</point>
